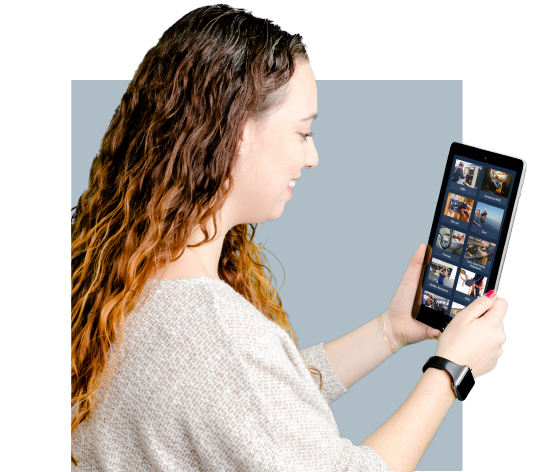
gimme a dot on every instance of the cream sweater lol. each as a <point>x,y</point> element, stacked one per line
<point>210,384</point>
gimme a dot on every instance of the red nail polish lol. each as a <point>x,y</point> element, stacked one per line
<point>491,294</point>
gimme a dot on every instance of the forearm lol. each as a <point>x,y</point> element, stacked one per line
<point>357,353</point>
<point>402,440</point>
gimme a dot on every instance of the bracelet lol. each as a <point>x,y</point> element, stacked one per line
<point>382,326</point>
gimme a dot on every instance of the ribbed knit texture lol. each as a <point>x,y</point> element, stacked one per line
<point>210,384</point>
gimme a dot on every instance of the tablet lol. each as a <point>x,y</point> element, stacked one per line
<point>471,229</point>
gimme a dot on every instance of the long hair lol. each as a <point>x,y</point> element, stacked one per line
<point>161,172</point>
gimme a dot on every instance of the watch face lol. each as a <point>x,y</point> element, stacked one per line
<point>463,389</point>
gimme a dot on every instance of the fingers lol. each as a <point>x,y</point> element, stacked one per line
<point>499,310</point>
<point>504,338</point>
<point>494,316</point>
<point>478,307</point>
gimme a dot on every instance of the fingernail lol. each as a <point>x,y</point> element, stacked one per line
<point>491,294</point>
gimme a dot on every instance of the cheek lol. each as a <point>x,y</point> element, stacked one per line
<point>286,161</point>
<point>276,159</point>
<point>261,183</point>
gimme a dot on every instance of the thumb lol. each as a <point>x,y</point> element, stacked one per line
<point>414,269</point>
<point>478,307</point>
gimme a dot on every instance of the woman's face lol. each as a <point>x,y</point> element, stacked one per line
<point>274,152</point>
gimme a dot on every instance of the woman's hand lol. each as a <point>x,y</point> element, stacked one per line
<point>400,323</point>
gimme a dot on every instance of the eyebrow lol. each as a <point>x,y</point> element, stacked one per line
<point>311,117</point>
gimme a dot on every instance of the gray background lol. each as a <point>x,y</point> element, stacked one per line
<point>344,242</point>
<point>346,236</point>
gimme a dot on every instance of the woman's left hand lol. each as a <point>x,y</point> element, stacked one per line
<point>403,328</point>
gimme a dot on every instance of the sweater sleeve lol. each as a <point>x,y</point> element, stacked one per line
<point>332,389</point>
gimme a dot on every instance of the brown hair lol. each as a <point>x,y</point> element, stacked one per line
<point>160,173</point>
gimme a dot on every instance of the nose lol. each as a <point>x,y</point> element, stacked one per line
<point>312,155</point>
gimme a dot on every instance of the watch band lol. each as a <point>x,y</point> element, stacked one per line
<point>461,376</point>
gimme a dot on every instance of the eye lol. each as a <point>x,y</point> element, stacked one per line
<point>307,135</point>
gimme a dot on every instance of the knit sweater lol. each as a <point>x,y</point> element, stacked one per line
<point>205,382</point>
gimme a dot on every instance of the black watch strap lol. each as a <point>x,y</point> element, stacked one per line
<point>461,376</point>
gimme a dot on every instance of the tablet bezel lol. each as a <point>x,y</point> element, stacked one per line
<point>429,316</point>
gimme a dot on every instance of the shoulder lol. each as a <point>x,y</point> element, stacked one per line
<point>191,348</point>
<point>189,305</point>
<point>199,314</point>
<point>190,332</point>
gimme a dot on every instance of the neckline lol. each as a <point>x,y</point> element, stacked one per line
<point>204,277</point>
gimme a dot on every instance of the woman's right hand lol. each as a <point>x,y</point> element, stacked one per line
<point>473,341</point>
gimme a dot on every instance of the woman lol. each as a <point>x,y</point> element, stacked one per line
<point>182,356</point>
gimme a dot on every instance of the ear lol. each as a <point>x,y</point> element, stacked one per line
<point>241,141</point>
<point>246,133</point>
<point>241,137</point>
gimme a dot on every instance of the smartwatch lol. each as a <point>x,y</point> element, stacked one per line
<point>462,379</point>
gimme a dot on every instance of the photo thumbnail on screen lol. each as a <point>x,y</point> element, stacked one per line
<point>442,273</point>
<point>488,218</point>
<point>471,284</point>
<point>455,308</point>
<point>458,207</point>
<point>496,182</point>
<point>450,240</point>
<point>435,302</point>
<point>479,250</point>
<point>467,174</point>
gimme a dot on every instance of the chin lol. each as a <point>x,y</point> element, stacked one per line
<point>273,217</point>
<point>276,213</point>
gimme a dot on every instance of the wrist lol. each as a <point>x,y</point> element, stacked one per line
<point>442,378</point>
<point>391,332</point>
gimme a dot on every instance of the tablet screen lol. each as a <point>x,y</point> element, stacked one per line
<point>474,207</point>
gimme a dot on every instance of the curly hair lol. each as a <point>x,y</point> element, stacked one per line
<point>162,170</point>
